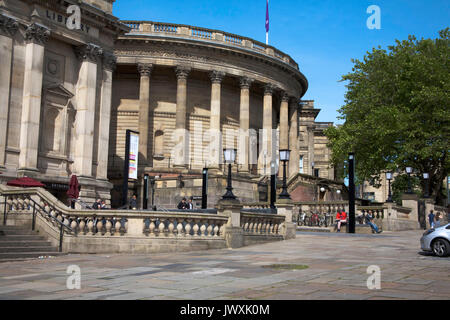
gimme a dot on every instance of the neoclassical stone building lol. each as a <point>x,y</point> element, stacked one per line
<point>68,97</point>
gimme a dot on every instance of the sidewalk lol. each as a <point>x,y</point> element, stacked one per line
<point>336,266</point>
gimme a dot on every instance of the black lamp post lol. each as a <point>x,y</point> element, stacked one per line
<point>284,157</point>
<point>229,156</point>
<point>426,177</point>
<point>389,178</point>
<point>312,168</point>
<point>409,171</point>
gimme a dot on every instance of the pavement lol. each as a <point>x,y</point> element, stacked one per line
<point>314,266</point>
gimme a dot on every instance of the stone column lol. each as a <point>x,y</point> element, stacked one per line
<point>36,36</point>
<point>181,158</point>
<point>310,129</point>
<point>8,28</point>
<point>215,141</point>
<point>244,116</point>
<point>284,122</point>
<point>293,137</point>
<point>144,111</point>
<point>86,89</point>
<point>266,142</point>
<point>109,64</point>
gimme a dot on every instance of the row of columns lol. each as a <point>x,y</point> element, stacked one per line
<point>288,118</point>
<point>36,37</point>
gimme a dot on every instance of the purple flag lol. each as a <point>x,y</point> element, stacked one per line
<point>267,15</point>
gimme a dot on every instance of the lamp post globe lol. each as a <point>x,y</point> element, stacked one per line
<point>409,170</point>
<point>426,177</point>
<point>389,178</point>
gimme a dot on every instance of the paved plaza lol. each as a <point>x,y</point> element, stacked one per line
<point>336,269</point>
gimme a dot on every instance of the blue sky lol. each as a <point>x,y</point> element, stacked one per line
<point>321,35</point>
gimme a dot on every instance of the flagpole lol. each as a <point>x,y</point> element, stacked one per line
<point>267,22</point>
<point>267,38</point>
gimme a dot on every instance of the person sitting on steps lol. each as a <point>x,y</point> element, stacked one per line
<point>341,219</point>
<point>369,218</point>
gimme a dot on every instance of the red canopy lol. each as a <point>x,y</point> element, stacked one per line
<point>25,182</point>
<point>73,191</point>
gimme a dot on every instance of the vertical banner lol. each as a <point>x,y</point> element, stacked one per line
<point>131,161</point>
<point>133,155</point>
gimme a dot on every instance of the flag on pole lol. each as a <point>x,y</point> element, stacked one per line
<point>267,22</point>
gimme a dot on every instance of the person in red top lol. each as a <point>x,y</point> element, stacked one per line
<point>341,219</point>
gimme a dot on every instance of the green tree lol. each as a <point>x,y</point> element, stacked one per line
<point>397,112</point>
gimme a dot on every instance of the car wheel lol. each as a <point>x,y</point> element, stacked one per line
<point>441,248</point>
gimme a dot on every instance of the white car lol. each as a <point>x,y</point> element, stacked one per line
<point>437,241</point>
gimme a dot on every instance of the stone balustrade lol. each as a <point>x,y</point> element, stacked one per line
<point>204,34</point>
<point>261,224</point>
<point>94,231</point>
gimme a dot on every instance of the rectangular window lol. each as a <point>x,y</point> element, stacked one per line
<point>316,172</point>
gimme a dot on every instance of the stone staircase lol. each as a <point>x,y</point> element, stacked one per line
<point>17,243</point>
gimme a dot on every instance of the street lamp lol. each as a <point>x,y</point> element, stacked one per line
<point>229,156</point>
<point>284,157</point>
<point>426,177</point>
<point>312,168</point>
<point>409,171</point>
<point>389,178</point>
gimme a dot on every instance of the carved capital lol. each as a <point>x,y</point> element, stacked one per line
<point>8,25</point>
<point>89,52</point>
<point>109,61</point>
<point>216,76</point>
<point>284,96</point>
<point>294,101</point>
<point>182,72</point>
<point>37,33</point>
<point>245,82</point>
<point>145,69</point>
<point>269,89</point>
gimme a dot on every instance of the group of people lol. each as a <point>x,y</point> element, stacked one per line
<point>186,204</point>
<point>99,205</point>
<point>341,219</point>
<point>434,219</point>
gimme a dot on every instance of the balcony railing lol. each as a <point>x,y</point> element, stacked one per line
<point>198,33</point>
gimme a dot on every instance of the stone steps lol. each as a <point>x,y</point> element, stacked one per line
<point>18,243</point>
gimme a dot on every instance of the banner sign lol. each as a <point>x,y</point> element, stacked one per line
<point>133,156</point>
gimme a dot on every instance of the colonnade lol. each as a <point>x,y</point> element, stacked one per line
<point>288,125</point>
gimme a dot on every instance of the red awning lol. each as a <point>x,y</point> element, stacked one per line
<point>25,182</point>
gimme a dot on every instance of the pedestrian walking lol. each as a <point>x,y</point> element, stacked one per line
<point>190,205</point>
<point>431,218</point>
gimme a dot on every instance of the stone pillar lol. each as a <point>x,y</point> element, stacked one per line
<point>234,234</point>
<point>215,139</point>
<point>284,122</point>
<point>109,64</point>
<point>244,116</point>
<point>36,36</point>
<point>265,156</point>
<point>181,156</point>
<point>293,137</point>
<point>310,129</point>
<point>8,28</point>
<point>144,111</point>
<point>86,89</point>
<point>285,208</point>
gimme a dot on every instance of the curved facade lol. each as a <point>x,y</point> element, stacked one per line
<point>188,78</point>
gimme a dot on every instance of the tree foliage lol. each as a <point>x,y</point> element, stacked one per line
<point>397,111</point>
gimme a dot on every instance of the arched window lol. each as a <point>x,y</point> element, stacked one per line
<point>52,130</point>
<point>159,143</point>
